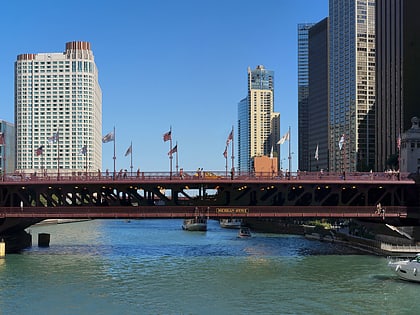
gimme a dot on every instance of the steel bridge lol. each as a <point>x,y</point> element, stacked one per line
<point>31,198</point>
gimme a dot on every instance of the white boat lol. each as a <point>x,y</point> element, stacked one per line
<point>244,232</point>
<point>408,269</point>
<point>198,223</point>
<point>231,223</point>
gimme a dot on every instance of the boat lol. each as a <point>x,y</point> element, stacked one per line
<point>244,232</point>
<point>198,223</point>
<point>408,269</point>
<point>231,223</point>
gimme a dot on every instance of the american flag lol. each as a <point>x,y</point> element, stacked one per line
<point>54,138</point>
<point>83,150</point>
<point>108,137</point>
<point>167,136</point>
<point>174,150</point>
<point>39,151</point>
<point>285,138</point>
<point>129,150</point>
<point>230,138</point>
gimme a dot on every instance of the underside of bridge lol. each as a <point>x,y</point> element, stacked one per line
<point>28,203</point>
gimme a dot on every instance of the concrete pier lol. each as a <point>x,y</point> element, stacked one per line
<point>2,249</point>
<point>43,240</point>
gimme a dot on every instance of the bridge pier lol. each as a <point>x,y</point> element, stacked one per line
<point>2,249</point>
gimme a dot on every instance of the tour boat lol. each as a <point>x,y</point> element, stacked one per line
<point>231,223</point>
<point>408,269</point>
<point>198,223</point>
<point>244,232</point>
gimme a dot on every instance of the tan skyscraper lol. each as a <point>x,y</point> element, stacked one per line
<point>258,125</point>
<point>58,111</point>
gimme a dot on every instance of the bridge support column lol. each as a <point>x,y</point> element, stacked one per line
<point>2,249</point>
<point>43,240</point>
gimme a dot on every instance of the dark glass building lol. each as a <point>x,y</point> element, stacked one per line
<point>397,75</point>
<point>318,97</point>
<point>303,92</point>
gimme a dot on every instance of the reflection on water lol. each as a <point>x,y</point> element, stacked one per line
<point>154,267</point>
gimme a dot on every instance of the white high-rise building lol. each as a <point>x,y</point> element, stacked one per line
<point>58,111</point>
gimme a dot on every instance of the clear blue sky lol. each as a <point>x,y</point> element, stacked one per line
<point>167,63</point>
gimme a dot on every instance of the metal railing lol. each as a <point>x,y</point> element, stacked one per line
<point>68,175</point>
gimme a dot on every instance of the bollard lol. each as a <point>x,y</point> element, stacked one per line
<point>43,240</point>
<point>2,249</point>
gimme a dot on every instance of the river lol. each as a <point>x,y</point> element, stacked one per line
<point>154,267</point>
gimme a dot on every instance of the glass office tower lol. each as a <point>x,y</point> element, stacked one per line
<point>352,85</point>
<point>303,93</point>
<point>397,68</point>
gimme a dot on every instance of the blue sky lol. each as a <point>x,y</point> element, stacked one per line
<point>165,63</point>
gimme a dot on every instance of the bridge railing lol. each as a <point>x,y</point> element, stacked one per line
<point>123,175</point>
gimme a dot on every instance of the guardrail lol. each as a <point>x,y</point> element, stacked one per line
<point>201,175</point>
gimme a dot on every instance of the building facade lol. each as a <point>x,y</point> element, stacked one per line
<point>352,85</point>
<point>409,159</point>
<point>318,97</point>
<point>304,149</point>
<point>397,71</point>
<point>7,147</point>
<point>58,111</point>
<point>256,119</point>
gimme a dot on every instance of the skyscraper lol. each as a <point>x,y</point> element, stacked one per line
<point>398,68</point>
<point>7,147</point>
<point>256,119</point>
<point>303,92</point>
<point>352,85</point>
<point>58,110</point>
<point>318,98</point>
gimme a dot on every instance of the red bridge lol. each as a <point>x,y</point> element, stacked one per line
<point>164,195</point>
<point>26,199</point>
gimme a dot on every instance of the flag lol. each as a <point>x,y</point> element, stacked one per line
<point>230,138</point>
<point>128,150</point>
<point>83,150</point>
<point>39,151</point>
<point>316,153</point>
<point>109,137</point>
<point>174,149</point>
<point>225,153</point>
<point>167,136</point>
<point>54,138</point>
<point>399,142</point>
<point>271,153</point>
<point>285,138</point>
<point>341,142</point>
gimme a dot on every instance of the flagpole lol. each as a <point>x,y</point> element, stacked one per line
<point>3,167</point>
<point>226,159</point>
<point>170,151</point>
<point>279,161</point>
<point>114,157</point>
<point>58,154</point>
<point>290,157</point>
<point>131,158</point>
<point>176,165</point>
<point>86,158</point>
<point>42,164</point>
<point>232,156</point>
